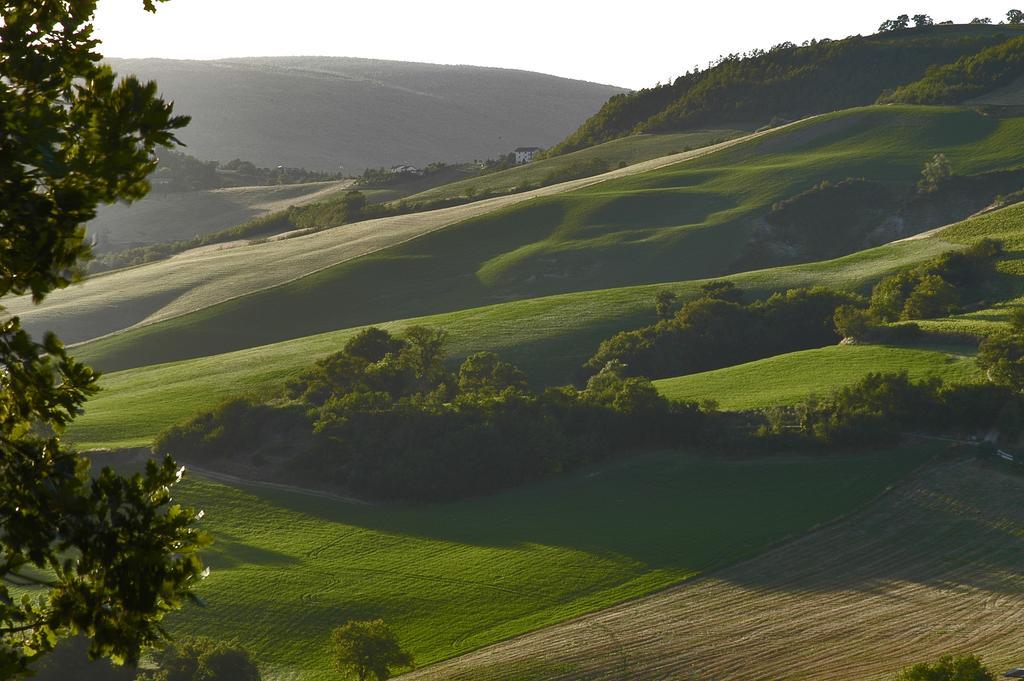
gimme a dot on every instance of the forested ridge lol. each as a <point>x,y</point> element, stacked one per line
<point>787,82</point>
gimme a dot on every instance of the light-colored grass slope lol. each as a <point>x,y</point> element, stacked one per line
<point>201,278</point>
<point>931,569</point>
<point>287,568</point>
<point>683,221</point>
<point>628,150</point>
<point>548,337</point>
<point>787,379</point>
<point>178,216</point>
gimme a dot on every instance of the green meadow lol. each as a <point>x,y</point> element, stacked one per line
<point>549,338</point>
<point>287,567</point>
<point>680,222</point>
<point>629,151</point>
<point>787,379</point>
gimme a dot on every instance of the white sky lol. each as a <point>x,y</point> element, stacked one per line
<point>631,44</point>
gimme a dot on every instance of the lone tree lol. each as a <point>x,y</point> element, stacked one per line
<point>367,649</point>
<point>107,556</point>
<point>922,20</point>
<point>1015,16</point>
<point>935,173</point>
<point>665,304</point>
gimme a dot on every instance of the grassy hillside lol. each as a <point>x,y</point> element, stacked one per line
<point>629,151</point>
<point>682,221</point>
<point>787,379</point>
<point>289,567</point>
<point>549,338</point>
<point>204,277</point>
<point>164,217</point>
<point>786,82</point>
<point>366,113</point>
<point>929,569</point>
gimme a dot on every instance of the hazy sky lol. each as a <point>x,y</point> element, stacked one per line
<point>632,44</point>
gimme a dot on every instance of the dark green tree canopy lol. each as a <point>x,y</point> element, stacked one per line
<point>104,556</point>
<point>367,650</point>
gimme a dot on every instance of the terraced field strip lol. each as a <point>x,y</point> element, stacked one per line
<point>936,566</point>
<point>287,567</point>
<point>194,280</point>
<point>787,379</point>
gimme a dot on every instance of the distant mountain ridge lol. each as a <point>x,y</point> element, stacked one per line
<point>326,113</point>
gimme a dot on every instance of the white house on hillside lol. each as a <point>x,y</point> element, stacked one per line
<point>405,170</point>
<point>526,154</point>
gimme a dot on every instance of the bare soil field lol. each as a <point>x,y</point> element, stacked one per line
<point>933,567</point>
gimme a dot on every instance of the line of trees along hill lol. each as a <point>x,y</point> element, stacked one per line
<point>386,418</point>
<point>787,82</point>
<point>967,77</point>
<point>718,329</point>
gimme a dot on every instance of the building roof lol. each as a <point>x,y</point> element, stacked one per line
<point>1016,673</point>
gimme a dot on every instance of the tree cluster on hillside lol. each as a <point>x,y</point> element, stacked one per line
<point>786,82</point>
<point>969,76</point>
<point>103,555</point>
<point>832,219</point>
<point>718,330</point>
<point>936,288</point>
<point>386,418</point>
<point>881,406</point>
<point>179,172</point>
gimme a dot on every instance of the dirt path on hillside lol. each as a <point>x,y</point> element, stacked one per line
<point>934,567</point>
<point>194,280</point>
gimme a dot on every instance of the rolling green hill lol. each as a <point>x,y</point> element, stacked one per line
<point>287,567</point>
<point>549,338</point>
<point>637,226</point>
<point>787,379</point>
<point>326,113</point>
<point>628,151</point>
<point>787,82</point>
<point>199,278</point>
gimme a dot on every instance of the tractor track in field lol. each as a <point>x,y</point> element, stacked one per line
<point>936,565</point>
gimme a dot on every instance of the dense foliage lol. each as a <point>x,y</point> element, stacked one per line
<point>107,556</point>
<point>386,418</point>
<point>367,649</point>
<point>201,659</point>
<point>785,82</point>
<point>1001,357</point>
<point>882,406</point>
<point>718,330</point>
<point>938,287</point>
<point>970,76</point>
